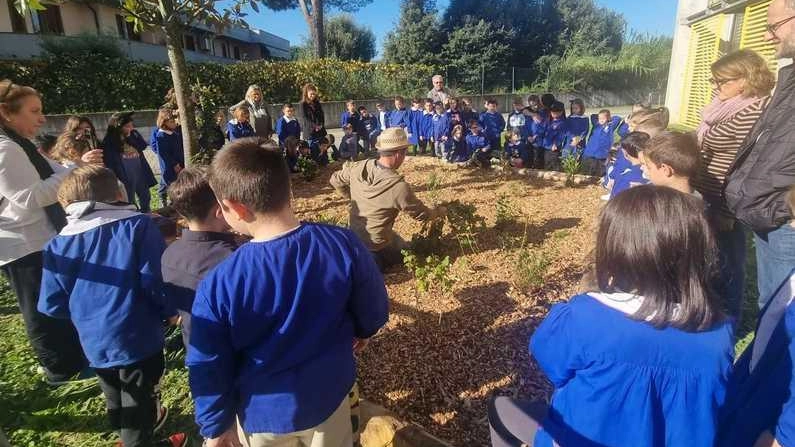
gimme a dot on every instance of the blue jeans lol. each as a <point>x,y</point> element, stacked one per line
<point>775,259</point>
<point>731,246</point>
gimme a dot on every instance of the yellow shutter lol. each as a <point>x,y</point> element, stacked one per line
<point>704,50</point>
<point>753,33</point>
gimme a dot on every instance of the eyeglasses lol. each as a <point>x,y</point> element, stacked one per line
<point>772,28</point>
<point>718,83</point>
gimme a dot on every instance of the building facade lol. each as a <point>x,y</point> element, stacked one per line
<point>705,31</point>
<point>20,36</point>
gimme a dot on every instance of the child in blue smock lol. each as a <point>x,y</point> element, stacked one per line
<point>643,358</point>
<point>597,149</point>
<point>456,147</point>
<point>478,144</point>
<point>492,123</point>
<point>516,151</point>
<point>536,129</point>
<point>631,147</point>
<point>555,137</point>
<point>577,127</point>
<point>239,127</point>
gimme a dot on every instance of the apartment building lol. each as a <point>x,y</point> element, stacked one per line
<point>20,36</point>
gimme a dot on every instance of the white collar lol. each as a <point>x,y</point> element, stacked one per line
<point>626,303</point>
<point>288,118</point>
<point>167,132</point>
<point>85,216</point>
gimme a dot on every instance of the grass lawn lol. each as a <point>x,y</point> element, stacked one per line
<point>437,360</point>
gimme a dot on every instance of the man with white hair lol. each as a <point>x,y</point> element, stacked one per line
<point>438,93</point>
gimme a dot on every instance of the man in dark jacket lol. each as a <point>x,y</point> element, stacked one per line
<point>764,170</point>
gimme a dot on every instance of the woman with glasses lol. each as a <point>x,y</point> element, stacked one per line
<point>742,83</point>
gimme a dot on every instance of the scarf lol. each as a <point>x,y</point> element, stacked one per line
<point>55,214</point>
<point>721,111</point>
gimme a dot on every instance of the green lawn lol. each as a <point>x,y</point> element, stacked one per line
<point>35,415</point>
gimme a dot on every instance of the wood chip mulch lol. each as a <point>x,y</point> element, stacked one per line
<point>439,358</point>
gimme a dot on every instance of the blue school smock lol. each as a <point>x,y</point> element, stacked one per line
<point>601,139</point>
<point>348,117</point>
<point>555,134</point>
<point>628,178</point>
<point>399,118</point>
<point>518,150</point>
<point>441,126</point>
<point>415,122</point>
<point>169,153</point>
<point>236,130</point>
<point>492,124</point>
<point>426,126</point>
<point>103,273</point>
<point>273,327</point>
<point>537,130</point>
<point>577,126</point>
<point>764,398</point>
<point>477,142</point>
<point>623,382</point>
<point>286,128</point>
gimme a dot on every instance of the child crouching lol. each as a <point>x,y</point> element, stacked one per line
<point>103,272</point>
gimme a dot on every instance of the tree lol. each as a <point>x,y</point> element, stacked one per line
<point>345,40</point>
<point>587,28</point>
<point>172,17</point>
<point>417,39</point>
<point>477,47</point>
<point>313,11</point>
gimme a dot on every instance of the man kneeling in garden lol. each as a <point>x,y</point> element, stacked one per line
<point>378,193</point>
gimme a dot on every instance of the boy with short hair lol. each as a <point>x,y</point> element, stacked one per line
<point>478,144</point>
<point>383,116</point>
<point>103,272</point>
<point>468,113</point>
<point>492,123</point>
<point>603,129</point>
<point>349,146</point>
<point>204,244</point>
<point>555,137</point>
<point>517,119</point>
<point>277,324</point>
<point>369,128</point>
<point>400,116</point>
<point>536,131</point>
<point>577,127</point>
<point>672,159</point>
<point>320,151</point>
<point>415,119</point>
<point>287,126</point>
<point>425,127</point>
<point>440,130</point>
<point>350,115</point>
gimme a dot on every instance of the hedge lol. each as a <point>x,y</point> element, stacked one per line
<point>98,83</point>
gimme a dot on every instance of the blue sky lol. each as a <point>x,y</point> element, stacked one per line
<point>652,16</point>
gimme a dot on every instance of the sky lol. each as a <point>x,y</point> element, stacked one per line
<point>645,16</point>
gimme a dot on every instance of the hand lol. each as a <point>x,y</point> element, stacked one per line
<point>175,320</point>
<point>359,344</point>
<point>92,157</point>
<point>766,439</point>
<point>177,168</point>
<point>228,438</point>
<point>555,148</point>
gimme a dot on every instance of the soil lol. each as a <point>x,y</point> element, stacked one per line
<point>441,356</point>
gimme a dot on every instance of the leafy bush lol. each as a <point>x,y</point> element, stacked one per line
<point>531,270</point>
<point>571,166</point>
<point>465,223</point>
<point>307,167</point>
<point>505,210</point>
<point>103,82</point>
<point>82,47</point>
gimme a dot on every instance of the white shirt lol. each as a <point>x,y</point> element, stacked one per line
<point>24,226</point>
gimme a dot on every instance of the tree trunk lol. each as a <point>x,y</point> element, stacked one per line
<point>319,36</point>
<point>179,76</point>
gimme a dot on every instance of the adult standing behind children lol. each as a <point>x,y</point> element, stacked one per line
<point>258,111</point>
<point>438,93</point>
<point>124,155</point>
<point>743,82</point>
<point>311,116</point>
<point>29,217</point>
<point>764,169</point>
<point>277,324</point>
<point>378,194</point>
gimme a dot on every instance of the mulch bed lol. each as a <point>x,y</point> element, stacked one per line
<point>439,358</point>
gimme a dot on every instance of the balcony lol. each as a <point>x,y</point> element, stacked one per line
<point>15,46</point>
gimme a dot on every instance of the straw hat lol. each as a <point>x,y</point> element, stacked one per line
<point>392,139</point>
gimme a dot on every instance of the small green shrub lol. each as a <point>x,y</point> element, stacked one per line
<point>531,268</point>
<point>307,167</point>
<point>506,211</point>
<point>465,223</point>
<point>571,166</point>
<point>330,220</point>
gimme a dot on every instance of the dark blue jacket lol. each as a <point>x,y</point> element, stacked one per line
<point>517,150</point>
<point>367,125</point>
<point>555,134</point>
<point>415,121</point>
<point>170,153</point>
<point>348,117</point>
<point>440,126</point>
<point>458,151</point>
<point>492,124</point>
<point>399,118</point>
<point>285,129</point>
<point>631,176</point>
<point>111,155</point>
<point>103,272</point>
<point>467,116</point>
<point>426,125</point>
<point>601,139</point>
<point>577,126</point>
<point>273,327</point>
<point>477,142</point>
<point>349,147</point>
<point>537,130</point>
<point>236,130</point>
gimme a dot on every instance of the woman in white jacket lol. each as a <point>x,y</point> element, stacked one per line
<point>29,216</point>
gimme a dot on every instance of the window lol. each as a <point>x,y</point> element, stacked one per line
<point>225,49</point>
<point>49,20</point>
<point>236,50</point>
<point>190,42</point>
<point>17,21</point>
<point>126,29</point>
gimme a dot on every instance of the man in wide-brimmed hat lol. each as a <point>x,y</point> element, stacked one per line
<point>378,193</point>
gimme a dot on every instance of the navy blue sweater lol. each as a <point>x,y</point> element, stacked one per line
<point>493,124</point>
<point>440,126</point>
<point>236,130</point>
<point>273,327</point>
<point>601,139</point>
<point>287,128</point>
<point>103,272</point>
<point>399,118</point>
